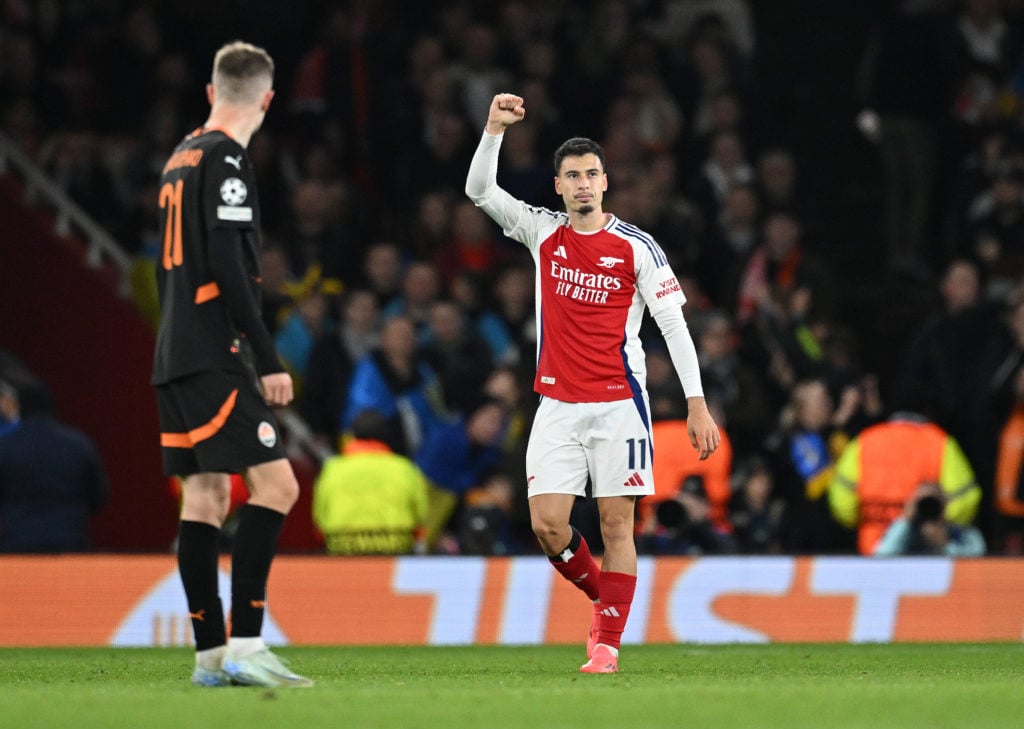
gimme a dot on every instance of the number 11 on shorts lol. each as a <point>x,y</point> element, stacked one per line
<point>637,445</point>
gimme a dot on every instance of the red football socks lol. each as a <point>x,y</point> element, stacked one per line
<point>577,565</point>
<point>616,597</point>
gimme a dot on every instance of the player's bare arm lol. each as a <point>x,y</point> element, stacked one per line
<point>704,435</point>
<point>506,110</point>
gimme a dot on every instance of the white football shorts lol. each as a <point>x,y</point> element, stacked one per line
<point>608,441</point>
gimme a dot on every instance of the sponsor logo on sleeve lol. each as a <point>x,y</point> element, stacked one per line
<point>666,287</point>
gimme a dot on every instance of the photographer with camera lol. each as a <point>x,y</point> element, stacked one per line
<point>683,524</point>
<point>923,529</point>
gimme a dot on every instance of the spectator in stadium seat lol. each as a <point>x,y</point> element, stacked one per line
<point>471,293</point>
<point>777,184</point>
<point>780,264</point>
<point>441,155</point>
<point>509,386</point>
<point>421,287</point>
<point>431,226</point>
<point>758,515</point>
<point>478,72</point>
<point>369,499</point>
<point>321,249</point>
<point>459,356</point>
<point>732,381</point>
<point>472,246</point>
<point>332,361</point>
<point>940,371</point>
<point>906,72</point>
<point>455,457</point>
<point>730,239</point>
<point>812,433</point>
<point>382,271</point>
<point>396,381</point>
<point>726,166</point>
<point>996,230</point>
<point>51,476</point>
<point>276,285</point>
<point>513,315</point>
<point>299,331</point>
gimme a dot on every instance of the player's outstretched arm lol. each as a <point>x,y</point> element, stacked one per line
<point>704,435</point>
<point>506,110</point>
<point>482,180</point>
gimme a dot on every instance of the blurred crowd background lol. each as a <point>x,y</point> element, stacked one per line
<point>839,186</point>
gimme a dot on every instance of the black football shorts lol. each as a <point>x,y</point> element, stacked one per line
<point>215,422</point>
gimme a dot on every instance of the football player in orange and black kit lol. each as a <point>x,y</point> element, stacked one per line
<point>217,375</point>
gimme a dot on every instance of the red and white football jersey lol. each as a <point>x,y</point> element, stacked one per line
<point>592,289</point>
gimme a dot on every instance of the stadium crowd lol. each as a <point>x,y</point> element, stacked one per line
<point>388,291</point>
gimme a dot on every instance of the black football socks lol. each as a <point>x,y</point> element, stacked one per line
<point>197,565</point>
<point>254,548</point>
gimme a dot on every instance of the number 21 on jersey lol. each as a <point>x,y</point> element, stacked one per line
<point>170,200</point>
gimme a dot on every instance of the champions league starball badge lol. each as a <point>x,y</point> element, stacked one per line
<point>233,191</point>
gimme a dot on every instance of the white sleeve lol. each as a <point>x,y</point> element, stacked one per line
<point>655,279</point>
<point>482,180</point>
<point>518,220</point>
<point>680,348</point>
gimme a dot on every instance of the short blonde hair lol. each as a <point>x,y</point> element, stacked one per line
<point>242,72</point>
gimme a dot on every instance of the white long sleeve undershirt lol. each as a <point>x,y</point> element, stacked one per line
<point>681,349</point>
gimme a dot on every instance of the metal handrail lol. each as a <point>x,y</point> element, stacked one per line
<point>68,215</point>
<point>301,436</point>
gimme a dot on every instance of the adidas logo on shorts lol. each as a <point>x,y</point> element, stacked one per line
<point>634,480</point>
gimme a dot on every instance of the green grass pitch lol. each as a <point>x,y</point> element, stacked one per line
<point>931,686</point>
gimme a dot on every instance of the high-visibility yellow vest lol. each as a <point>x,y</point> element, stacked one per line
<point>369,500</point>
<point>885,465</point>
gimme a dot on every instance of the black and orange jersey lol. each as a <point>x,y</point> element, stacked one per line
<point>210,221</point>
